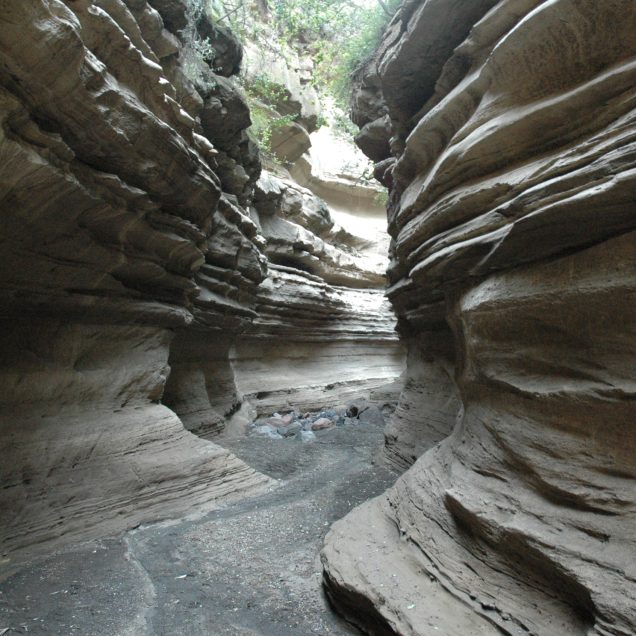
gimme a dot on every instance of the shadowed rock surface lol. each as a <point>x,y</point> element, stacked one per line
<point>512,218</point>
<point>251,567</point>
<point>133,262</point>
<point>110,197</point>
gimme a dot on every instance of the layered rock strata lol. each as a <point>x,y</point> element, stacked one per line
<point>511,174</point>
<point>137,303</point>
<point>315,345</point>
<point>112,208</point>
<point>324,331</point>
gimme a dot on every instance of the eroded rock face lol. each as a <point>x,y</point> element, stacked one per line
<point>138,303</point>
<point>314,344</point>
<point>511,212</point>
<point>111,204</point>
<point>301,233</point>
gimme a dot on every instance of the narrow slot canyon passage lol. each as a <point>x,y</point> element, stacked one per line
<point>300,398</point>
<point>317,317</point>
<point>184,434</point>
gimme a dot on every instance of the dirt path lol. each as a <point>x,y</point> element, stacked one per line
<point>251,568</point>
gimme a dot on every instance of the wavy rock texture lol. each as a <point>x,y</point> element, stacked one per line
<point>111,207</point>
<point>324,332</point>
<point>136,300</point>
<point>315,345</point>
<point>319,332</point>
<point>511,211</point>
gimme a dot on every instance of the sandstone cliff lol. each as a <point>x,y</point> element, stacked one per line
<point>110,200</point>
<point>505,132</point>
<point>135,273</point>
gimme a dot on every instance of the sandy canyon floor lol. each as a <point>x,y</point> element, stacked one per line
<point>250,568</point>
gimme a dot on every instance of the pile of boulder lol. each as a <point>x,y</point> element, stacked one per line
<point>292,424</point>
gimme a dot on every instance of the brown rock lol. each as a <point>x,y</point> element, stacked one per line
<point>513,278</point>
<point>321,424</point>
<point>272,422</point>
<point>110,204</point>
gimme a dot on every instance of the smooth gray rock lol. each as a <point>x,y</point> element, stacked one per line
<point>291,430</point>
<point>371,415</point>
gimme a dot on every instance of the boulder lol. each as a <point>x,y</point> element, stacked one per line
<point>374,138</point>
<point>290,430</point>
<point>322,423</point>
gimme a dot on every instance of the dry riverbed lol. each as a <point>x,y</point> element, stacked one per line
<point>250,568</point>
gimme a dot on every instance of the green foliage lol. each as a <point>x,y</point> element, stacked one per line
<point>198,53</point>
<point>264,98</point>
<point>265,121</point>
<point>235,14</point>
<point>343,125</point>
<point>204,49</point>
<point>196,8</point>
<point>321,121</point>
<point>381,198</point>
<point>370,27</point>
<point>310,19</point>
<point>260,130</point>
<point>261,87</point>
<point>340,34</point>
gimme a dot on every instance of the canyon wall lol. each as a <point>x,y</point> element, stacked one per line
<point>138,298</point>
<point>322,331</point>
<point>506,133</point>
<point>110,201</point>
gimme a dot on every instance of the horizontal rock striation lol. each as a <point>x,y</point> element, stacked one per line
<point>315,345</point>
<point>300,233</point>
<point>511,176</point>
<point>288,278</point>
<point>138,301</point>
<point>114,204</point>
<point>319,330</point>
<point>324,332</point>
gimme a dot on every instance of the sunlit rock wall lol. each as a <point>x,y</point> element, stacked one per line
<point>315,345</point>
<point>511,128</point>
